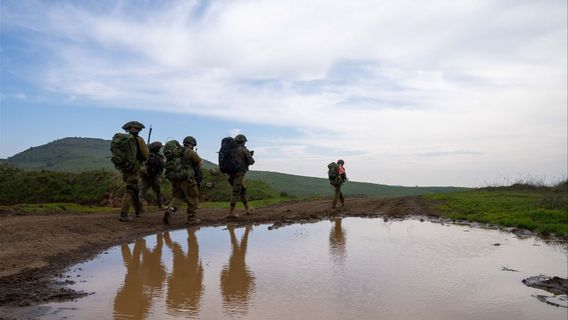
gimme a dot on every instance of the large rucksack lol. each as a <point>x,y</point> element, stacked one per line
<point>333,174</point>
<point>228,156</point>
<point>154,165</point>
<point>177,167</point>
<point>124,149</point>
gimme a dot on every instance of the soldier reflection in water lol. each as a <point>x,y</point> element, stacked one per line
<point>237,281</point>
<point>185,283</point>
<point>145,275</point>
<point>337,242</point>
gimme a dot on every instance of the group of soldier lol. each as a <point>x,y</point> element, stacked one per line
<point>150,164</point>
<point>138,181</point>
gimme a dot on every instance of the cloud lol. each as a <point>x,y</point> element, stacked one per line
<point>376,80</point>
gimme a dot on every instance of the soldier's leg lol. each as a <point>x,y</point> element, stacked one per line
<point>192,202</point>
<point>341,198</point>
<point>144,186</point>
<point>235,193</point>
<point>243,195</point>
<point>335,196</point>
<point>130,196</point>
<point>157,187</point>
<point>177,199</point>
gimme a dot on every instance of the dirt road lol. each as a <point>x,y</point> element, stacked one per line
<point>37,248</point>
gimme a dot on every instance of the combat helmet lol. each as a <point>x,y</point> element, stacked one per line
<point>240,138</point>
<point>155,146</point>
<point>341,162</point>
<point>189,140</point>
<point>133,125</point>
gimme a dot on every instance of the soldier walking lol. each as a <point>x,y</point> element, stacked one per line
<point>336,180</point>
<point>243,159</point>
<point>129,153</point>
<point>152,171</point>
<point>181,169</point>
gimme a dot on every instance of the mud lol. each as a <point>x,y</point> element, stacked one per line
<point>37,248</point>
<point>555,285</point>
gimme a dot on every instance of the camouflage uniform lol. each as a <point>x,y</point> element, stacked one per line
<point>185,191</point>
<point>152,181</point>
<point>243,159</point>
<point>132,178</point>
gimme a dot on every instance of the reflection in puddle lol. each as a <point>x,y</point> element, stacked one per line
<point>341,269</point>
<point>237,281</point>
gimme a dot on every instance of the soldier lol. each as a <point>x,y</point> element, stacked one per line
<point>342,177</point>
<point>152,171</point>
<point>131,177</point>
<point>243,159</point>
<point>186,190</point>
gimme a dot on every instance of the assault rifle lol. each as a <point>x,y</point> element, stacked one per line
<point>149,134</point>
<point>198,175</point>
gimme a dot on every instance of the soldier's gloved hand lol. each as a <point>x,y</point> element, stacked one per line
<point>252,153</point>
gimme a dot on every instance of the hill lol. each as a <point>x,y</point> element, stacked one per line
<point>69,155</point>
<point>83,154</point>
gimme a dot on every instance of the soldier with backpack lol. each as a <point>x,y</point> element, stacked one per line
<point>152,171</point>
<point>129,152</point>
<point>181,164</point>
<point>337,176</point>
<point>235,159</point>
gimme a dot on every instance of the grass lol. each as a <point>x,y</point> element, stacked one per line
<point>536,208</point>
<point>54,207</point>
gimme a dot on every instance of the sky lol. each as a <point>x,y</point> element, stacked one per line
<point>429,93</point>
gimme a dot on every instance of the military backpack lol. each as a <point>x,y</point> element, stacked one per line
<point>154,165</point>
<point>124,149</point>
<point>177,167</point>
<point>228,156</point>
<point>333,174</point>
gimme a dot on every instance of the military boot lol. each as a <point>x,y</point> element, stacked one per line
<point>232,213</point>
<point>124,217</point>
<point>191,219</point>
<point>248,209</point>
<point>139,213</point>
<point>168,214</point>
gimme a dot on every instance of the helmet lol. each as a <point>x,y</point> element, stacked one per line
<point>189,140</point>
<point>341,162</point>
<point>135,125</point>
<point>240,138</point>
<point>155,146</point>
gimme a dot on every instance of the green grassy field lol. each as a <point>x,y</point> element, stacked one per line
<point>539,209</point>
<point>302,186</point>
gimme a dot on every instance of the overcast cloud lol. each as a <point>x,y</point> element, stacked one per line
<point>408,92</point>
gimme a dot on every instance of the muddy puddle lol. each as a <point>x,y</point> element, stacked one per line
<point>350,268</point>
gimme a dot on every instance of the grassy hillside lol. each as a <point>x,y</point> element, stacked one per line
<point>539,208</point>
<point>67,154</point>
<point>308,186</point>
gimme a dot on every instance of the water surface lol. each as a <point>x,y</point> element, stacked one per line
<point>349,268</point>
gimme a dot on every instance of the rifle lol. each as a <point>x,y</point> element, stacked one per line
<point>198,175</point>
<point>149,134</point>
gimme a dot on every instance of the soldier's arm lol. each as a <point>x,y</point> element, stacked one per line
<point>193,157</point>
<point>144,152</point>
<point>248,156</point>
